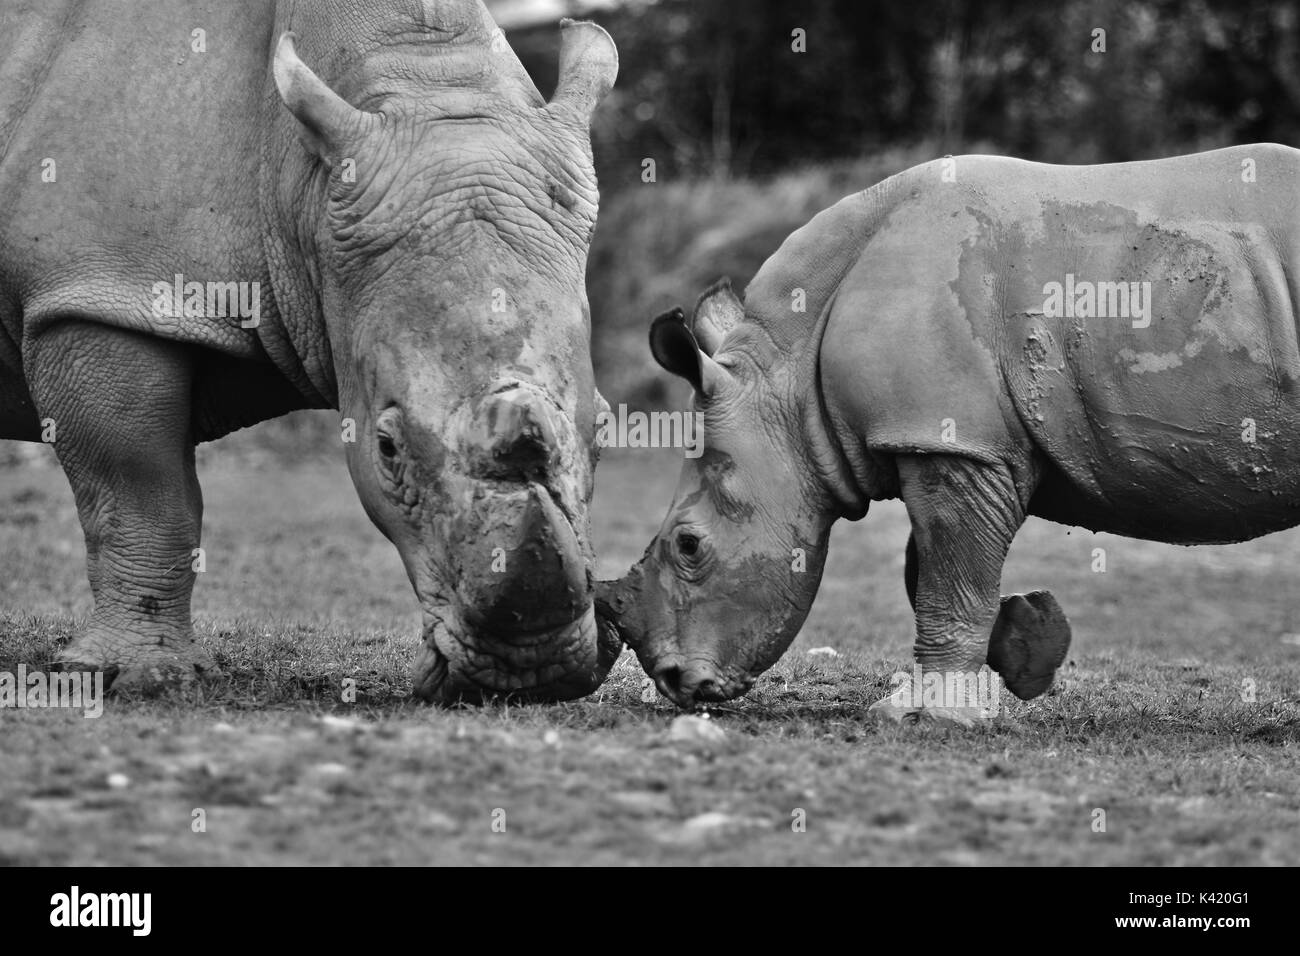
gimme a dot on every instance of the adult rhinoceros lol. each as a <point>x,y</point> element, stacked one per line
<point>412,220</point>
<point>1107,346</point>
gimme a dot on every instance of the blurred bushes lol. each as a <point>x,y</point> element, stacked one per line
<point>713,87</point>
<point>659,245</point>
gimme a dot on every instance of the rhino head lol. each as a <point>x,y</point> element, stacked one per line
<point>446,236</point>
<point>726,584</point>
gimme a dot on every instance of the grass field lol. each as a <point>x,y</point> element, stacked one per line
<point>1147,722</point>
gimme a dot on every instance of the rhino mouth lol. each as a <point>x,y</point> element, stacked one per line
<point>695,684</point>
<point>457,664</point>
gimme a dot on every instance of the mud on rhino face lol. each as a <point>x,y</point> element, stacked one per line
<point>455,215</point>
<point>726,584</point>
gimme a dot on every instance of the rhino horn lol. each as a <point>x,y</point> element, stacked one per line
<point>327,121</point>
<point>588,68</point>
<point>717,312</point>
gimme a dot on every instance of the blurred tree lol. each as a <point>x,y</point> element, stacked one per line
<point>716,88</point>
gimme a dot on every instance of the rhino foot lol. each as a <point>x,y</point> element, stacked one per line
<point>1029,642</point>
<point>136,665</point>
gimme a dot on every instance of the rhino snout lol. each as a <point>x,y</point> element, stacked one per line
<point>522,564</point>
<point>461,664</point>
<point>696,682</point>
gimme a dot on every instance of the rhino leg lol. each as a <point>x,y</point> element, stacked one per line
<point>964,515</point>
<point>1030,636</point>
<point>120,404</point>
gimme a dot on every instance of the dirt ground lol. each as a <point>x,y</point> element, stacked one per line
<point>1150,750</point>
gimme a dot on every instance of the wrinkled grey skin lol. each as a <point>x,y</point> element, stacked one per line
<point>418,219</point>
<point>928,367</point>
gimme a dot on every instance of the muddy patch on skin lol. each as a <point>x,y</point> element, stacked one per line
<point>712,467</point>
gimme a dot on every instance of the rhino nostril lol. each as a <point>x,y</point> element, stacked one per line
<point>523,453</point>
<point>668,680</point>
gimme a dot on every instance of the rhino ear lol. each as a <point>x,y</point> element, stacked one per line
<point>717,312</point>
<point>675,349</point>
<point>588,68</point>
<point>326,121</point>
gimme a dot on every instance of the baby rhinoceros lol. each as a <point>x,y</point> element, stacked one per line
<point>1113,347</point>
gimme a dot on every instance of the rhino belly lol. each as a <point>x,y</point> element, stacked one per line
<point>1157,502</point>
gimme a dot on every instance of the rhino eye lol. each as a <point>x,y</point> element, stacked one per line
<point>387,447</point>
<point>688,544</point>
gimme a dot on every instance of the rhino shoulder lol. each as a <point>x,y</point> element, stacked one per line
<point>908,358</point>
<point>798,280</point>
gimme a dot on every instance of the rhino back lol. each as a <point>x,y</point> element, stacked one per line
<point>155,151</point>
<point>941,341</point>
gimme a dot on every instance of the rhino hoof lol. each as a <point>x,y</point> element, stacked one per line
<point>141,671</point>
<point>888,709</point>
<point>1029,642</point>
<point>154,680</point>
